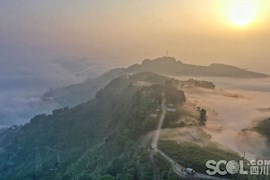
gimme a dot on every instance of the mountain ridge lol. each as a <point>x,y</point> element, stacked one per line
<point>170,66</point>
<point>166,66</point>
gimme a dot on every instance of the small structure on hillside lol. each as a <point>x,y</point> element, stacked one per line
<point>171,108</point>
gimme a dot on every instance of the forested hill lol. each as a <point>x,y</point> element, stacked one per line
<point>98,139</point>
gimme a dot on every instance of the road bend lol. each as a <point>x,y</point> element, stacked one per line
<point>177,168</point>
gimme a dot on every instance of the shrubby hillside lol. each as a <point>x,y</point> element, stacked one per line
<point>264,128</point>
<point>105,138</point>
<point>100,139</point>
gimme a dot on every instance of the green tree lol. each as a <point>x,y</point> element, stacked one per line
<point>202,117</point>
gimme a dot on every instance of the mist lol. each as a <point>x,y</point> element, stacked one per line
<point>42,42</point>
<point>24,81</point>
<point>232,113</point>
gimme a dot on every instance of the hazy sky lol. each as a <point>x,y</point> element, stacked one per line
<point>52,43</point>
<point>125,32</point>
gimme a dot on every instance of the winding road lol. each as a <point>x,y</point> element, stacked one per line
<point>177,168</point>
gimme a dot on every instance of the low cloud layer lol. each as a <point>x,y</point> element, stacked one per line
<point>232,112</point>
<point>23,82</point>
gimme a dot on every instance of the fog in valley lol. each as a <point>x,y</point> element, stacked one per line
<point>233,109</point>
<point>22,84</point>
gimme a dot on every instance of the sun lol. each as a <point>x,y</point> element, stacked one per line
<point>242,12</point>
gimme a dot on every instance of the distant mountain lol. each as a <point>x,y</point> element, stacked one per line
<point>81,92</point>
<point>165,66</point>
<point>170,66</point>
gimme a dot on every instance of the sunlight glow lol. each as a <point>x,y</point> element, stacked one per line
<point>243,12</point>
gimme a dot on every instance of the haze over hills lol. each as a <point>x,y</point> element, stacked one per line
<point>87,91</point>
<point>24,81</point>
<point>167,66</point>
<point>102,135</point>
<point>105,138</point>
<point>170,66</point>
<point>21,102</point>
<point>109,136</point>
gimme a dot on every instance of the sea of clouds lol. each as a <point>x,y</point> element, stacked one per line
<point>233,109</point>
<point>24,81</point>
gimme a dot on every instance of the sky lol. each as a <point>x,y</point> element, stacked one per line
<point>48,44</point>
<point>125,32</point>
